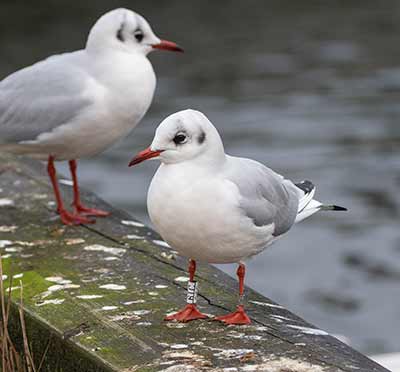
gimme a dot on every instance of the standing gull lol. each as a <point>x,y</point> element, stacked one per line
<point>78,104</point>
<point>218,208</point>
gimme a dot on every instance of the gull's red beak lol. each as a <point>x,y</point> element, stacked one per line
<point>168,45</point>
<point>144,155</point>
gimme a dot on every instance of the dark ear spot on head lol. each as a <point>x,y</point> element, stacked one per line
<point>202,137</point>
<point>120,32</point>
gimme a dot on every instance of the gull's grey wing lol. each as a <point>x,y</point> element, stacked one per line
<point>266,197</point>
<point>39,98</point>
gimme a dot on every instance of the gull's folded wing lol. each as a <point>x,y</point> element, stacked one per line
<point>40,98</point>
<point>266,197</point>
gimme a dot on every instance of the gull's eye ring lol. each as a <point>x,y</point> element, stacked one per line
<point>138,35</point>
<point>180,138</point>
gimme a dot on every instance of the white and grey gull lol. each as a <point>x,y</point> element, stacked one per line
<point>78,104</point>
<point>217,208</point>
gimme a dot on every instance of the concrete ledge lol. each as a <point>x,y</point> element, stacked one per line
<point>97,296</point>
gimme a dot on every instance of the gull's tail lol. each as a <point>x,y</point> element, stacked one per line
<point>308,205</point>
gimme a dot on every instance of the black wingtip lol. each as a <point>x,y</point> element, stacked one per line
<point>306,185</point>
<point>338,208</point>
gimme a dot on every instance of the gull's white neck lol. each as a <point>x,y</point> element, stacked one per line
<point>128,78</point>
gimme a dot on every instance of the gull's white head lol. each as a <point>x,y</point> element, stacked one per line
<point>124,30</point>
<point>183,136</point>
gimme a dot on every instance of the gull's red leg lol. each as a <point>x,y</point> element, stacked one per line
<point>239,316</point>
<point>77,204</point>
<point>67,218</point>
<point>190,311</point>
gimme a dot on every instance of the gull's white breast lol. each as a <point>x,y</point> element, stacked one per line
<point>198,214</point>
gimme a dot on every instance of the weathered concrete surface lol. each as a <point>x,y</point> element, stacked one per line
<point>97,296</point>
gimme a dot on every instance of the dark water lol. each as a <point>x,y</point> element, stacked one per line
<point>309,88</point>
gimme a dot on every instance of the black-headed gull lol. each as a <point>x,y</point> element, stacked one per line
<point>78,104</point>
<point>217,208</point>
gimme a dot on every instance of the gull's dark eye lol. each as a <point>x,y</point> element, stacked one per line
<point>180,138</point>
<point>139,35</point>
